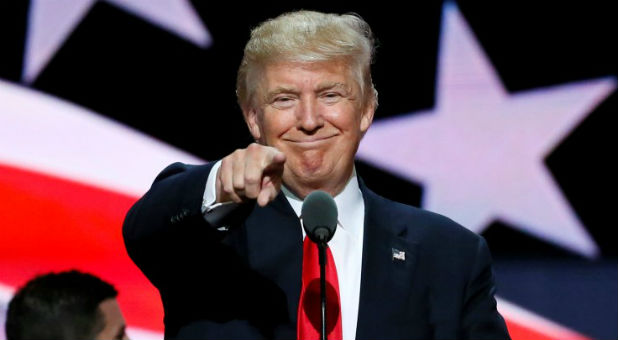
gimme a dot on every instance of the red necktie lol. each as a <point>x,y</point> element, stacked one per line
<point>309,323</point>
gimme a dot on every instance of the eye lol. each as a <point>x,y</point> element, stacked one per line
<point>331,97</point>
<point>283,102</point>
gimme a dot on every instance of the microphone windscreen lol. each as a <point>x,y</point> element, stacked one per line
<point>319,211</point>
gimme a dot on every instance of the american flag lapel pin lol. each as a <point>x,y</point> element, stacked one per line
<point>399,255</point>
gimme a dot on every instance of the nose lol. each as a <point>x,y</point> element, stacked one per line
<point>309,118</point>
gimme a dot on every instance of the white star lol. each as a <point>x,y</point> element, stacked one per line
<point>480,152</point>
<point>51,22</point>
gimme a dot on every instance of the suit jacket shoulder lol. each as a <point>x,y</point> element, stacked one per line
<point>427,229</point>
<point>428,274</point>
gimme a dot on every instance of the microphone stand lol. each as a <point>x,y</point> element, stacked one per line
<point>322,259</point>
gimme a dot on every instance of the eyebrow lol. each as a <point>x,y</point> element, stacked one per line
<point>332,85</point>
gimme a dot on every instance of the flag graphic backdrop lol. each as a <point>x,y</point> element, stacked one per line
<point>96,97</point>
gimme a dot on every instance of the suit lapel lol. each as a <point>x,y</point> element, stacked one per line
<point>387,269</point>
<point>272,231</point>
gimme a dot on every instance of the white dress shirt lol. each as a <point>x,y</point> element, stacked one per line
<point>346,245</point>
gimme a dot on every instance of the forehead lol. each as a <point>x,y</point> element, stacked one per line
<point>304,75</point>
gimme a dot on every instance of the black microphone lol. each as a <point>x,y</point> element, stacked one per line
<point>319,216</point>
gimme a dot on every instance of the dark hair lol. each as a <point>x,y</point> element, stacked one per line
<point>58,306</point>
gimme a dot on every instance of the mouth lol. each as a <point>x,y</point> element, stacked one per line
<point>310,141</point>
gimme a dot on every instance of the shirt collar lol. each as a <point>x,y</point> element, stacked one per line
<point>349,204</point>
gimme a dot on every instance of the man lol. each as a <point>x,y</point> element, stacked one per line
<point>223,242</point>
<point>66,305</point>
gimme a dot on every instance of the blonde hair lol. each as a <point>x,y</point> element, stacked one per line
<point>308,36</point>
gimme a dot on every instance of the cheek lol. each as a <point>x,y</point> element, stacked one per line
<point>275,124</point>
<point>345,119</point>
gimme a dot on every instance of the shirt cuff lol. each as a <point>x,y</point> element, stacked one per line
<point>212,211</point>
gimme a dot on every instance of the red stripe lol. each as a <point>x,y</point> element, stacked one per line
<point>519,331</point>
<point>52,224</point>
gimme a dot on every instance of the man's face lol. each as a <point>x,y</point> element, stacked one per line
<point>114,321</point>
<point>314,114</point>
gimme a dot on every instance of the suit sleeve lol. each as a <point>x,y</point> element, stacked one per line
<point>159,222</point>
<point>167,236</point>
<point>200,272</point>
<point>480,318</point>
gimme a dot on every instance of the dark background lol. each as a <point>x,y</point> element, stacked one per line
<point>136,73</point>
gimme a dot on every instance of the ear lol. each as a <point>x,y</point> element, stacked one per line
<point>252,120</point>
<point>367,116</point>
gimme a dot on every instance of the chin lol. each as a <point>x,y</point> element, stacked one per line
<point>314,163</point>
<point>308,170</point>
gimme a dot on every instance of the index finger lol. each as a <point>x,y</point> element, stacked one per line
<point>272,157</point>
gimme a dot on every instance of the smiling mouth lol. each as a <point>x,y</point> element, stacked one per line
<point>310,141</point>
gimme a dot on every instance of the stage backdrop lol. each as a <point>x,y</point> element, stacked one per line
<point>500,115</point>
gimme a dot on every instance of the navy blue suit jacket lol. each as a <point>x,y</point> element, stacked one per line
<point>245,283</point>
